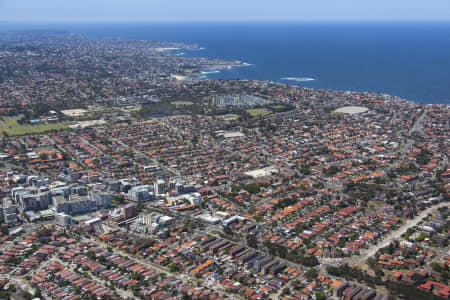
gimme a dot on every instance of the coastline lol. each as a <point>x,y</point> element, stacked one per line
<point>307,47</point>
<point>203,74</point>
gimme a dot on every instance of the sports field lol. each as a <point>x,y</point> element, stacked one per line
<point>256,112</point>
<point>12,127</point>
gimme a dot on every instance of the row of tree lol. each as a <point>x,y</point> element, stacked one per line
<point>396,288</point>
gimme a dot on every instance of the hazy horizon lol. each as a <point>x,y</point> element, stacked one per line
<point>93,11</point>
<point>400,22</point>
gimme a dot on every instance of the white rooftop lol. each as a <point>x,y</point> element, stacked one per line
<point>351,110</point>
<point>262,172</point>
<point>233,134</point>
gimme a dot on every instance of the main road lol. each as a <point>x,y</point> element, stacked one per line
<point>402,230</point>
<point>167,168</point>
<point>387,240</point>
<point>160,269</point>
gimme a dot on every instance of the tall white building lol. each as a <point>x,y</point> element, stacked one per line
<point>75,205</point>
<point>159,186</point>
<point>103,199</point>
<point>9,212</point>
<point>63,220</point>
<point>141,193</point>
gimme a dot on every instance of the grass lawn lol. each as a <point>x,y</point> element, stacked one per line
<point>182,103</point>
<point>133,109</point>
<point>11,127</point>
<point>256,112</point>
<point>43,149</point>
<point>278,107</point>
<point>376,206</point>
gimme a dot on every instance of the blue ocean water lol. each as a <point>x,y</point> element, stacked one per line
<point>409,60</point>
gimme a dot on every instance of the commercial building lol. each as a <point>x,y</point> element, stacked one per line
<point>159,186</point>
<point>141,193</point>
<point>103,199</point>
<point>63,219</point>
<point>129,211</point>
<point>74,205</point>
<point>9,212</point>
<point>34,202</point>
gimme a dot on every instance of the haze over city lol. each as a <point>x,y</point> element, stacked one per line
<point>231,10</point>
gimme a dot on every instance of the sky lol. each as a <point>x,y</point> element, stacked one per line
<point>224,10</point>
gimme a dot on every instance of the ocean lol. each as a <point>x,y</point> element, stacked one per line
<point>409,60</point>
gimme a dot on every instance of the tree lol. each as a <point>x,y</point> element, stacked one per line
<point>186,296</point>
<point>331,171</point>
<point>286,291</point>
<point>137,276</point>
<point>90,254</point>
<point>310,261</point>
<point>252,188</point>
<point>436,267</point>
<point>379,272</point>
<point>139,207</point>
<point>174,268</point>
<point>320,295</point>
<point>311,274</point>
<point>332,270</point>
<point>234,188</point>
<point>372,262</point>
<point>424,157</point>
<point>305,170</point>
